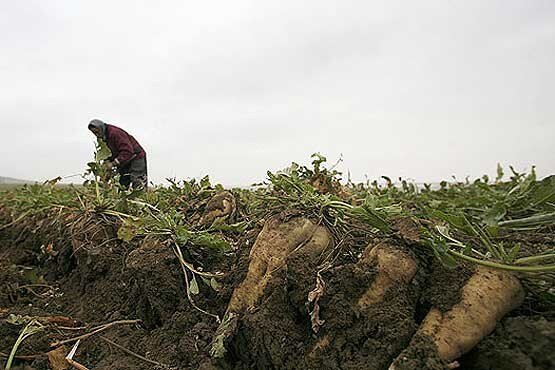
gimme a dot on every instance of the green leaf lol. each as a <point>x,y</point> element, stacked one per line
<point>514,252</point>
<point>447,260</point>
<point>206,240</point>
<point>543,191</point>
<point>467,250</point>
<point>183,235</point>
<point>500,173</point>
<point>458,221</point>
<point>548,296</point>
<point>371,217</point>
<point>318,160</point>
<point>441,252</point>
<point>492,231</point>
<point>440,247</point>
<point>494,214</point>
<point>532,221</point>
<point>219,224</point>
<point>205,182</point>
<point>102,151</point>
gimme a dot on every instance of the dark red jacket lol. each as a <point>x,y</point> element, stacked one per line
<point>123,146</point>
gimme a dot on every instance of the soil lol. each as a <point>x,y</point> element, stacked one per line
<point>522,342</point>
<point>91,278</point>
<point>443,285</point>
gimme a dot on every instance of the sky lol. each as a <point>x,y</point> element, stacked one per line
<point>421,90</point>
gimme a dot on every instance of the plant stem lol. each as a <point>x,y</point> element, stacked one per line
<point>544,268</point>
<point>532,259</point>
<point>96,331</point>
<point>128,351</point>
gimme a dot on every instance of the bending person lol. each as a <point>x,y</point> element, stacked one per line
<point>128,156</point>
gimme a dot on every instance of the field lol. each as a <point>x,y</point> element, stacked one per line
<point>303,271</point>
<point>9,186</point>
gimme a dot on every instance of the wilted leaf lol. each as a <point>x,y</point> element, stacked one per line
<point>129,230</point>
<point>31,275</point>
<point>212,283</point>
<point>215,285</point>
<point>33,327</point>
<point>18,320</point>
<point>225,331</point>
<point>60,320</point>
<point>57,359</point>
<point>193,286</point>
<point>313,299</point>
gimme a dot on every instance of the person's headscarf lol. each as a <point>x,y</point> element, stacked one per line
<point>100,125</point>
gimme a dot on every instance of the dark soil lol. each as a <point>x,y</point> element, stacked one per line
<point>370,338</point>
<point>421,355</point>
<point>92,278</point>
<point>278,334</point>
<point>95,285</point>
<point>443,286</point>
<point>523,342</point>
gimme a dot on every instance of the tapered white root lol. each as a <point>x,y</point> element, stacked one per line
<point>486,297</point>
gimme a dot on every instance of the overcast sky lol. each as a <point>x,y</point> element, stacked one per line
<point>419,89</point>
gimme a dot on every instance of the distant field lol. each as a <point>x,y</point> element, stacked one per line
<point>9,186</point>
<point>6,187</point>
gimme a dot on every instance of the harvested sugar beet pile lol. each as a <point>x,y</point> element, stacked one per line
<point>302,272</point>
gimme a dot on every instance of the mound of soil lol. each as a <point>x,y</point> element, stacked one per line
<point>522,342</point>
<point>100,281</point>
<point>93,279</point>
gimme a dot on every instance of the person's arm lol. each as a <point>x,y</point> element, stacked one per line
<point>124,148</point>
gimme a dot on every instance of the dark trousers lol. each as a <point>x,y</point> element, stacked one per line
<point>135,174</point>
